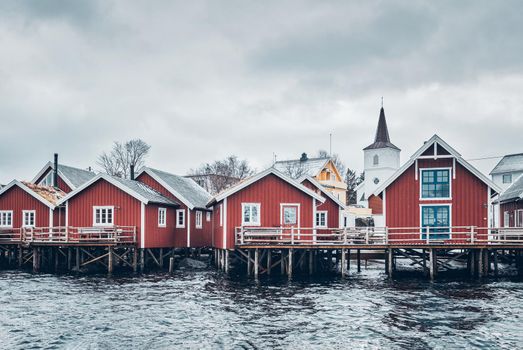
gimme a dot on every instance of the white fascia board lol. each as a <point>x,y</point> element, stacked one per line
<point>175,193</point>
<point>28,190</point>
<point>48,166</point>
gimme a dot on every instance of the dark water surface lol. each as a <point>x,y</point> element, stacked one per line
<point>207,309</point>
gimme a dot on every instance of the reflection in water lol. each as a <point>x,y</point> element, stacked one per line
<point>210,310</point>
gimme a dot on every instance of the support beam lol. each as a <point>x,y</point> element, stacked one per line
<point>282,262</point>
<point>256,262</point>
<point>311,262</point>
<point>496,262</point>
<point>249,262</point>
<point>171,265</point>
<point>226,261</point>
<point>358,257</point>
<point>77,258</point>
<point>390,258</point>
<point>142,260</point>
<point>110,262</point>
<point>343,262</point>
<point>433,263</point>
<point>481,261</point>
<point>269,261</point>
<point>36,259</point>
<point>290,263</point>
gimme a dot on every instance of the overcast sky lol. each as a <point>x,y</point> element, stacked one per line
<point>201,80</point>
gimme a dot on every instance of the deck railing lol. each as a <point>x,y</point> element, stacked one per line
<point>456,235</point>
<point>71,235</point>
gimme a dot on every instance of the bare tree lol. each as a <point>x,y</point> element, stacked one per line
<point>335,159</point>
<point>295,170</point>
<point>118,161</point>
<point>221,174</point>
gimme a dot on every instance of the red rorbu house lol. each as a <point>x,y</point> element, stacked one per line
<point>24,205</point>
<point>438,192</point>
<point>266,200</point>
<point>193,218</point>
<point>110,202</point>
<point>64,177</point>
<point>329,213</point>
<point>511,204</point>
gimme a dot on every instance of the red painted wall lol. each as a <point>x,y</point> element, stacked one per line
<point>61,183</point>
<point>469,198</point>
<point>510,207</point>
<point>332,208</point>
<point>59,216</point>
<point>270,192</point>
<point>198,237</point>
<point>376,204</point>
<point>17,200</point>
<point>156,236</point>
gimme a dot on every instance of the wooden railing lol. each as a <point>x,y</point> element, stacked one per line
<point>456,235</point>
<point>71,235</point>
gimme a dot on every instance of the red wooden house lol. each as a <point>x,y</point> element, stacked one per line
<point>266,200</point>
<point>511,204</point>
<point>193,218</point>
<point>28,205</point>
<point>436,191</point>
<point>106,201</point>
<point>329,213</point>
<point>67,178</point>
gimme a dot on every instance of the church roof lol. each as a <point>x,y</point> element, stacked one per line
<point>382,139</point>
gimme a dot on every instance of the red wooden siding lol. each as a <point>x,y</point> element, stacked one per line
<point>127,209</point>
<point>156,236</point>
<point>198,237</point>
<point>59,216</point>
<point>61,183</point>
<point>270,192</point>
<point>510,207</point>
<point>469,206</point>
<point>332,208</point>
<point>17,200</point>
<point>376,204</point>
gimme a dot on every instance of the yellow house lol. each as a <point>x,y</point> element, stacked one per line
<point>322,169</point>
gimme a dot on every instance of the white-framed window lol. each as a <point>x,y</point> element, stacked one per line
<point>506,219</point>
<point>103,216</point>
<point>376,160</point>
<point>48,179</point>
<point>208,216</point>
<point>6,218</point>
<point>221,214</point>
<point>199,219</point>
<point>321,218</point>
<point>250,214</point>
<point>290,215</point>
<point>518,215</point>
<point>180,218</point>
<point>435,183</point>
<point>162,217</point>
<point>507,178</point>
<point>28,218</point>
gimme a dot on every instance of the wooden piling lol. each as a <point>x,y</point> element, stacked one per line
<point>495,262</point>
<point>269,261</point>
<point>110,258</point>
<point>390,257</point>
<point>256,262</point>
<point>226,261</point>
<point>77,258</point>
<point>311,262</point>
<point>348,260</point>
<point>480,264</point>
<point>36,259</point>
<point>433,263</point>
<point>282,262</point>
<point>135,260</point>
<point>20,256</point>
<point>290,262</point>
<point>343,263</point>
<point>142,260</point>
<point>171,265</point>
<point>358,257</point>
<point>249,262</point>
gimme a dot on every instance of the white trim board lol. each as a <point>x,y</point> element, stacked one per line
<point>321,188</point>
<point>29,191</point>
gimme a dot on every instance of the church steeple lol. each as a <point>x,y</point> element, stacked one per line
<point>382,139</point>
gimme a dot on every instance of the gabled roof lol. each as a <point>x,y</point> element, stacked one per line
<point>309,166</point>
<point>322,189</point>
<point>452,151</point>
<point>382,139</point>
<point>249,181</point>
<point>136,189</point>
<point>186,190</point>
<point>49,196</point>
<point>514,192</point>
<point>508,164</point>
<point>73,177</point>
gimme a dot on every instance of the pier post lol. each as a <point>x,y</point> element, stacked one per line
<point>390,262</point>
<point>56,259</point>
<point>142,260</point>
<point>343,263</point>
<point>135,259</point>
<point>496,262</point>
<point>311,262</point>
<point>358,257</point>
<point>36,259</point>
<point>249,262</point>
<point>424,261</point>
<point>256,262</point>
<point>20,256</point>
<point>472,263</point>
<point>110,259</point>
<point>69,259</point>
<point>160,260</point>
<point>481,261</point>
<point>290,262</point>
<point>282,262</point>
<point>348,260</point>
<point>433,263</point>
<point>269,261</point>
<point>226,261</point>
<point>171,265</point>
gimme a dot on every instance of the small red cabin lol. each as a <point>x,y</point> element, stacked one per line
<point>266,200</point>
<point>106,201</point>
<point>511,204</point>
<point>28,205</point>
<point>438,192</point>
<point>193,218</point>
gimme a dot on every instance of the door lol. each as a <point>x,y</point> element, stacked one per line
<point>437,219</point>
<point>289,220</point>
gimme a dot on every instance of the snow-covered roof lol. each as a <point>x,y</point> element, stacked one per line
<point>247,182</point>
<point>309,166</point>
<point>138,190</point>
<point>514,192</point>
<point>49,196</point>
<point>73,177</point>
<point>186,190</point>
<point>508,164</point>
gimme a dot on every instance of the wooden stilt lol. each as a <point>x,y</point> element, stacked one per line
<point>142,260</point>
<point>56,259</point>
<point>269,262</point>
<point>358,257</point>
<point>282,262</point>
<point>249,262</point>
<point>290,262</point>
<point>110,263</point>
<point>390,257</point>
<point>424,261</point>
<point>480,264</point>
<point>311,262</point>
<point>135,259</point>
<point>226,261</point>
<point>171,265</point>
<point>433,264</point>
<point>160,260</point>
<point>348,260</point>
<point>20,256</point>
<point>495,262</point>
<point>77,259</point>
<point>472,263</point>
<point>36,259</point>
<point>256,262</point>
<point>343,263</point>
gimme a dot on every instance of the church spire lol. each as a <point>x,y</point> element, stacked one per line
<point>382,139</point>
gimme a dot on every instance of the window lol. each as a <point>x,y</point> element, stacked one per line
<point>290,215</point>
<point>437,219</point>
<point>199,219</point>
<point>321,218</point>
<point>435,183</point>
<point>208,216</point>
<point>180,218</point>
<point>103,216</point>
<point>506,219</point>
<point>6,218</point>
<point>507,178</point>
<point>333,177</point>
<point>376,160</point>
<point>28,218</point>
<point>251,214</point>
<point>48,179</point>
<point>162,220</point>
<point>518,214</point>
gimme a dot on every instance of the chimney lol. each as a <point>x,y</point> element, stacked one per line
<point>303,157</point>
<point>132,171</point>
<point>55,171</point>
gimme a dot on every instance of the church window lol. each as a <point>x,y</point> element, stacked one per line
<point>376,160</point>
